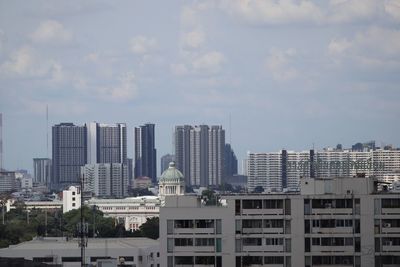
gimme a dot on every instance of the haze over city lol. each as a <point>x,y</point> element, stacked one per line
<point>289,74</point>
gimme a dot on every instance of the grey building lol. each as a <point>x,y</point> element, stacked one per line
<point>1,141</point>
<point>42,169</point>
<point>230,162</point>
<point>106,143</point>
<point>331,222</point>
<point>8,182</point>
<point>106,179</point>
<point>199,154</point>
<point>145,152</point>
<point>165,160</point>
<point>69,153</point>
<point>182,150</point>
<point>139,252</point>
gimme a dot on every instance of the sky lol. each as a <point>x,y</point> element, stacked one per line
<point>288,74</point>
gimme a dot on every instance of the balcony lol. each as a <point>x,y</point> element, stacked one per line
<point>252,248</point>
<point>332,249</point>
<point>391,230</point>
<point>390,211</point>
<point>262,211</point>
<point>390,248</point>
<point>252,230</point>
<point>333,230</point>
<point>194,230</point>
<point>332,211</point>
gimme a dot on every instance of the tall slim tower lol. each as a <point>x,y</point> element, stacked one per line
<point>182,150</point>
<point>69,153</point>
<point>145,152</point>
<point>1,141</point>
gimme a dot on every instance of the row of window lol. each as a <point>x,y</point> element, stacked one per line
<point>194,224</point>
<point>190,260</point>
<point>332,223</point>
<point>285,244</point>
<point>260,260</point>
<point>199,242</point>
<point>333,241</point>
<point>259,223</point>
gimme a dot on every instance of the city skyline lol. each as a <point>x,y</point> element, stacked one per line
<point>295,74</point>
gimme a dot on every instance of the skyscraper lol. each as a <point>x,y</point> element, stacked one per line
<point>1,141</point>
<point>199,154</point>
<point>165,160</point>
<point>69,153</point>
<point>231,163</point>
<point>182,150</point>
<point>42,170</point>
<point>106,143</point>
<point>145,152</point>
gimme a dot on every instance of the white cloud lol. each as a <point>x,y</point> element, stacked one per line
<point>338,46</point>
<point>194,39</point>
<point>392,7</point>
<point>179,69</point>
<point>124,91</point>
<point>274,12</point>
<point>376,47</point>
<point>91,57</point>
<point>278,64</point>
<point>50,31</point>
<point>319,12</point>
<point>210,62</point>
<point>142,44</point>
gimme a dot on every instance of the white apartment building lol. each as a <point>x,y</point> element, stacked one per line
<point>106,179</point>
<point>338,222</point>
<point>71,199</point>
<point>278,171</point>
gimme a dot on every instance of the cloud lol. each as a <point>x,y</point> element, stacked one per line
<point>376,47</point>
<point>91,57</point>
<point>210,62</point>
<point>278,64</point>
<point>194,39</point>
<point>392,7</point>
<point>306,11</point>
<point>124,91</point>
<point>179,69</point>
<point>142,44</point>
<point>273,12</point>
<point>51,31</point>
<point>57,107</point>
<point>25,62</point>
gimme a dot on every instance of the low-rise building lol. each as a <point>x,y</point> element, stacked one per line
<point>330,222</point>
<point>138,252</point>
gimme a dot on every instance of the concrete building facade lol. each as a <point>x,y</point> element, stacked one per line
<point>42,168</point>
<point>331,222</point>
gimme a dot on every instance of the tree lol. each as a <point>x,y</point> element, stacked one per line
<point>151,228</point>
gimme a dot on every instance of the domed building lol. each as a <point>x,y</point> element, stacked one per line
<point>171,182</point>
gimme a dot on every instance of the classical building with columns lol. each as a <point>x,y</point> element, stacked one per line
<point>171,182</point>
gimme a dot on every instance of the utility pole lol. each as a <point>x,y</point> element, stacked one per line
<point>82,229</point>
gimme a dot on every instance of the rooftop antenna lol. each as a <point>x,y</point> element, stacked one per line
<point>230,129</point>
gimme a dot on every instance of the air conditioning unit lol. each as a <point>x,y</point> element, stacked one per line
<point>349,192</point>
<point>387,225</point>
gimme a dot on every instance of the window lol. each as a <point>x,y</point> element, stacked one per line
<point>219,226</point>
<point>204,242</point>
<point>252,242</point>
<point>390,203</point>
<point>43,259</point>
<point>204,223</point>
<point>273,204</point>
<point>237,206</point>
<point>252,204</point>
<point>126,258</point>
<point>316,242</point>
<point>73,204</point>
<point>273,223</point>
<point>274,241</point>
<point>219,245</point>
<point>182,260</point>
<point>252,223</point>
<point>273,260</point>
<point>183,223</point>
<point>73,199</point>
<point>71,259</point>
<point>170,226</point>
<point>170,245</point>
<point>183,242</point>
<point>205,260</point>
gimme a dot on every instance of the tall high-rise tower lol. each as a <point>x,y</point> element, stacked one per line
<point>145,152</point>
<point>182,150</point>
<point>106,143</point>
<point>69,153</point>
<point>199,154</point>
<point>42,170</point>
<point>1,141</point>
